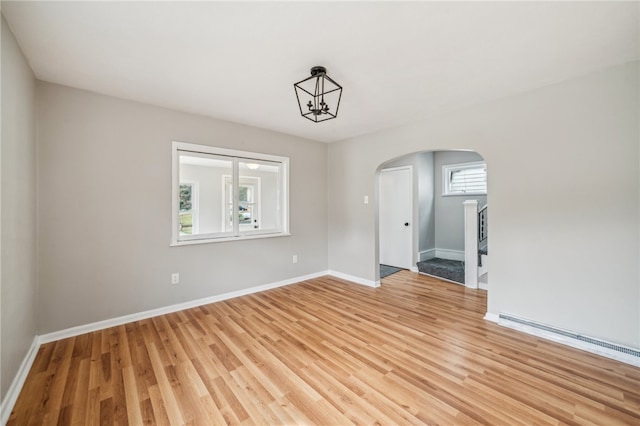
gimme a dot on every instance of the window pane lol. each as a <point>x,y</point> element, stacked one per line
<point>186,194</point>
<point>246,214</point>
<point>246,192</point>
<point>262,180</point>
<point>186,223</point>
<point>467,179</point>
<point>220,194</point>
<point>206,205</point>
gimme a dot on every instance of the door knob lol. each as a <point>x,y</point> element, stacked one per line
<point>406,224</point>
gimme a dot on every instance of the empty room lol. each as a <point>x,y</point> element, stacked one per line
<point>320,212</point>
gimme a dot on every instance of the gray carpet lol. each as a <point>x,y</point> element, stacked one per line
<point>386,270</point>
<point>452,270</point>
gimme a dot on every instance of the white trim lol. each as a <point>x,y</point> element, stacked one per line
<point>7,404</point>
<point>414,269</point>
<point>450,254</point>
<point>101,325</point>
<point>236,156</point>
<point>427,254</point>
<point>222,239</point>
<point>413,219</point>
<point>574,343</point>
<point>395,169</point>
<point>354,279</point>
<point>491,317</point>
<point>208,149</point>
<point>13,392</point>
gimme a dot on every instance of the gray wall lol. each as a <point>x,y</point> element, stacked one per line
<point>426,198</point>
<point>105,210</point>
<point>565,238</point>
<point>449,210</point>
<point>18,210</point>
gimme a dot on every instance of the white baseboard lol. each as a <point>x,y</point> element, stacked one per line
<point>16,386</point>
<point>450,254</point>
<point>13,392</point>
<point>354,279</point>
<point>427,254</point>
<point>492,317</point>
<point>101,325</point>
<point>565,340</point>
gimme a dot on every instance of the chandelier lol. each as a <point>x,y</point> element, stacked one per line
<point>318,96</point>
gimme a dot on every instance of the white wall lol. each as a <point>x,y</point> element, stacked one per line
<point>105,210</point>
<point>449,212</point>
<point>564,191</point>
<point>17,209</point>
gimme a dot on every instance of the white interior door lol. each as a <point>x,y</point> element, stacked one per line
<point>395,216</point>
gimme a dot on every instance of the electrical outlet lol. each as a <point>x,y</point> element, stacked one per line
<point>295,258</point>
<point>175,278</point>
<point>366,199</point>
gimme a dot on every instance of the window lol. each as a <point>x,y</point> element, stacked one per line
<point>248,202</point>
<point>464,179</point>
<point>224,195</point>
<point>188,212</point>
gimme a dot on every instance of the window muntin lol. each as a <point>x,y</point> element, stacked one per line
<point>464,179</point>
<point>227,194</point>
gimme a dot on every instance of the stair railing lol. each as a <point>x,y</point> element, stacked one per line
<point>482,224</point>
<point>475,232</point>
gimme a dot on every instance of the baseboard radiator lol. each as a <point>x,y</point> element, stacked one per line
<point>604,344</point>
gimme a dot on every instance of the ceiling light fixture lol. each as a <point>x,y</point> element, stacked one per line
<point>318,96</point>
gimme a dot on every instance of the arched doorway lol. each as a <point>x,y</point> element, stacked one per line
<point>441,182</point>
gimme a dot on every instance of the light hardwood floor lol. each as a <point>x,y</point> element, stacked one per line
<point>415,351</point>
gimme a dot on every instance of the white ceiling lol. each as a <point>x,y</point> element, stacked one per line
<point>397,61</point>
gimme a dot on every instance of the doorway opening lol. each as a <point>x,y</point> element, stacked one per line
<point>426,216</point>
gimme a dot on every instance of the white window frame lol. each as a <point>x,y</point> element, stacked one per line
<point>236,156</point>
<point>447,169</point>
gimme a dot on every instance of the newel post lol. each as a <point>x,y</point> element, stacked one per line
<point>471,243</point>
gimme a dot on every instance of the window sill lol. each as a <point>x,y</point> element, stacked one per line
<point>467,194</point>
<point>228,239</point>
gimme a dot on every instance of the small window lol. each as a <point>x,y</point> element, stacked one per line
<point>223,195</point>
<point>464,179</point>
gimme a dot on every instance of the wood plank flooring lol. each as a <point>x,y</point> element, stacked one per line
<point>414,351</point>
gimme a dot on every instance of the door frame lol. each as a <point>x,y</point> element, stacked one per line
<point>412,217</point>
